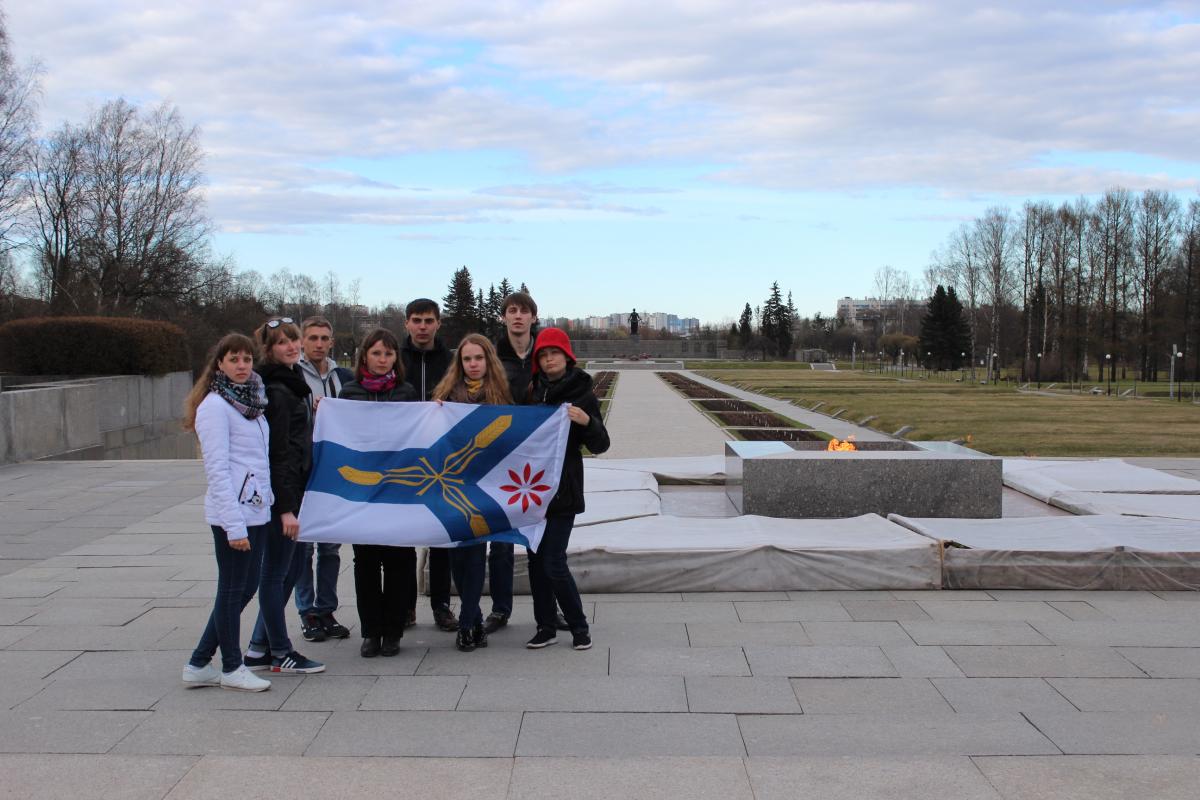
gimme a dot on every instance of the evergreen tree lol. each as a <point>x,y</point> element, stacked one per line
<point>945,334</point>
<point>504,290</point>
<point>525,288</point>
<point>732,339</point>
<point>958,331</point>
<point>745,326</point>
<point>459,313</point>
<point>493,311</point>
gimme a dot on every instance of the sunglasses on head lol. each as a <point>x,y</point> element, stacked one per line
<point>275,323</point>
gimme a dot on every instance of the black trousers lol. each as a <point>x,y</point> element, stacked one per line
<point>439,579</point>
<point>385,579</point>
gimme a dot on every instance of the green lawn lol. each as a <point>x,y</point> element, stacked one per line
<point>996,419</point>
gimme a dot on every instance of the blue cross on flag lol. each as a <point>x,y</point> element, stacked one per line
<point>432,475</point>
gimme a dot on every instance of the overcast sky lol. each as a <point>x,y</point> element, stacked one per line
<point>674,156</point>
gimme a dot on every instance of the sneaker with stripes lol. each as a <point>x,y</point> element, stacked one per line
<point>296,664</point>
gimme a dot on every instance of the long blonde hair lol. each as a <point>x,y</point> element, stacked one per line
<point>495,380</point>
<point>229,343</point>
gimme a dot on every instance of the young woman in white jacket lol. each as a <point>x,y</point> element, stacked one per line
<point>225,409</point>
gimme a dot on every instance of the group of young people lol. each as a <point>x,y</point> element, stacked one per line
<point>252,410</point>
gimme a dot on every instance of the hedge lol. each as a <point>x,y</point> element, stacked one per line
<point>92,346</point>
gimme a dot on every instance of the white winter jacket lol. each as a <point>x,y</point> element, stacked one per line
<point>235,462</point>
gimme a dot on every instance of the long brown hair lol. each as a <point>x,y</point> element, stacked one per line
<point>229,343</point>
<point>495,381</point>
<point>389,341</point>
<point>267,337</point>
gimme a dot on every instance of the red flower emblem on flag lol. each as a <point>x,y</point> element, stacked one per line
<point>525,487</point>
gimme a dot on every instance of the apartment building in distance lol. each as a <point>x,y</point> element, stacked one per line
<point>865,312</point>
<point>649,320</point>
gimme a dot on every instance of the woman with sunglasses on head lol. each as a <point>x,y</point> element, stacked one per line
<point>383,574</point>
<point>475,376</point>
<point>290,452</point>
<point>225,409</point>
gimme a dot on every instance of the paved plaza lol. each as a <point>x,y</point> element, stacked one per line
<point>107,577</point>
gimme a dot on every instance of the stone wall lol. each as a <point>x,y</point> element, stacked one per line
<point>656,348</point>
<point>125,416</point>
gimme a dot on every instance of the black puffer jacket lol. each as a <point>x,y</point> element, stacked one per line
<point>518,370</point>
<point>402,392</point>
<point>424,368</point>
<point>575,387</point>
<point>290,446</point>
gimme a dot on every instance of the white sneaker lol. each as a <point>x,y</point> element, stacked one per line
<point>243,680</point>
<point>208,675</point>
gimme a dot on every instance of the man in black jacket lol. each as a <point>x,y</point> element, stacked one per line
<point>426,359</point>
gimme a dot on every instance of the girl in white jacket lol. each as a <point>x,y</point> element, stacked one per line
<point>225,409</point>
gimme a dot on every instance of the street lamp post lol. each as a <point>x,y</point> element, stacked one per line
<point>1039,371</point>
<point>901,362</point>
<point>1175,353</point>
<point>1107,373</point>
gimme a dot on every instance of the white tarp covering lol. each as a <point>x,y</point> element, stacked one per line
<point>612,506</point>
<point>750,553</point>
<point>1089,552</point>
<point>1045,478</point>
<point>684,469</point>
<point>1174,506</point>
<point>616,480</point>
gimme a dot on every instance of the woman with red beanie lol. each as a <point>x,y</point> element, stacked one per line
<point>556,380</point>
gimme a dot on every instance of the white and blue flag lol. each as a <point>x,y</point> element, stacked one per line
<point>432,475</point>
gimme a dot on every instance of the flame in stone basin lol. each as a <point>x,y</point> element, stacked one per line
<point>846,446</point>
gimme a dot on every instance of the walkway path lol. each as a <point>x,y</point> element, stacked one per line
<point>648,418</point>
<point>822,422</point>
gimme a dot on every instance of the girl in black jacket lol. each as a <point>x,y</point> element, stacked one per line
<point>477,377</point>
<point>383,574</point>
<point>290,456</point>
<point>556,380</point>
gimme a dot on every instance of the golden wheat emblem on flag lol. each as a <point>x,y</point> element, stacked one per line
<point>422,476</point>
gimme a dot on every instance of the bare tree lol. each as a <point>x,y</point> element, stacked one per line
<point>56,188</point>
<point>1154,242</point>
<point>1114,228</point>
<point>994,242</point>
<point>18,118</point>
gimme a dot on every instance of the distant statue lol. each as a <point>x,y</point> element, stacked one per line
<point>634,319</point>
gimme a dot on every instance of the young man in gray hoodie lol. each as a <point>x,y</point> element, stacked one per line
<point>316,600</point>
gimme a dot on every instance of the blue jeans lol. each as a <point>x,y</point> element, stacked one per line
<point>328,564</point>
<point>500,577</point>
<point>468,565</point>
<point>280,566</point>
<point>550,578</point>
<point>237,581</point>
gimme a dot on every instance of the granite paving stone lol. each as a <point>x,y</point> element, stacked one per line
<point>881,696</point>
<point>995,611</point>
<point>626,735</point>
<point>76,611</point>
<point>102,693</point>
<point>181,698</point>
<point>728,597</point>
<point>1078,610</point>
<point>557,659</point>
<point>912,661</point>
<point>906,735</point>
<point>609,612</point>
<point>1093,777</point>
<point>437,734</point>
<point>17,688</point>
<point>223,732</point>
<point>1130,694</point>
<point>720,695</point>
<point>715,634</point>
<point>1001,695</point>
<point>1014,661</point>
<point>569,693</point>
<point>792,611</point>
<point>1123,634</point>
<point>852,633</point>
<point>92,637</point>
<point>309,776</point>
<point>855,777</point>
<point>884,610</point>
<point>1122,732</point>
<point>976,633</point>
<point>414,693</point>
<point>627,660</point>
<point>665,778</point>
<point>65,731</point>
<point>33,663</point>
<point>323,692</point>
<point>52,777</point>
<point>820,662</point>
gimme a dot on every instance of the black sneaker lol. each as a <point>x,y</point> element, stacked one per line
<point>390,646</point>
<point>544,636</point>
<point>494,622</point>
<point>313,628</point>
<point>257,663</point>
<point>333,628</point>
<point>465,641</point>
<point>580,640</point>
<point>444,618</point>
<point>560,622</point>
<point>479,634</point>
<point>370,647</point>
<point>296,664</point>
